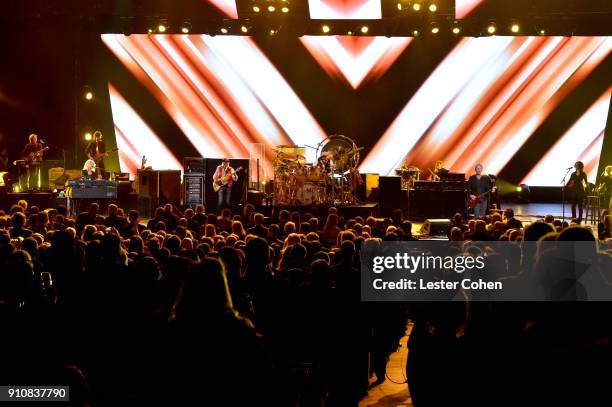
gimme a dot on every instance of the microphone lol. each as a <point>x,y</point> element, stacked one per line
<point>569,168</point>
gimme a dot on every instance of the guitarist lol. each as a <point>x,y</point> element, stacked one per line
<point>96,151</point>
<point>32,156</point>
<point>479,186</point>
<point>226,176</point>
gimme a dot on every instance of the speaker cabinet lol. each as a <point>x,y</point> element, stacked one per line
<point>389,194</point>
<point>160,186</point>
<point>424,204</point>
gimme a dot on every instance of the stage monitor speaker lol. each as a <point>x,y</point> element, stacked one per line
<point>435,227</point>
<point>239,187</point>
<point>389,190</point>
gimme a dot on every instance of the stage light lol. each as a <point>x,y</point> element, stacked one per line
<point>415,33</point>
<point>162,27</point>
<point>542,32</point>
<point>519,188</point>
<point>433,8</point>
<point>271,9</point>
<point>515,28</point>
<point>349,33</point>
<point>186,27</point>
<point>88,94</point>
<point>491,28</point>
<point>285,9</point>
<point>87,136</point>
<point>325,28</point>
<point>434,28</point>
<point>256,9</point>
<point>456,29</point>
<point>399,6</point>
<point>244,29</point>
<point>272,32</point>
<point>364,29</point>
<point>150,31</point>
<point>416,6</point>
<point>224,30</point>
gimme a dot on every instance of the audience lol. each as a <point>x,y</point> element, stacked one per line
<point>264,310</point>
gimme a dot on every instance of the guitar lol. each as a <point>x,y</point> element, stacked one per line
<point>35,155</point>
<point>478,198</point>
<point>224,179</point>
<point>96,157</point>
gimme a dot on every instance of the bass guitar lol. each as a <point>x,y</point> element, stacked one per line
<point>224,179</point>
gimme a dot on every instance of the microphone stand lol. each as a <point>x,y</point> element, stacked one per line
<point>563,192</point>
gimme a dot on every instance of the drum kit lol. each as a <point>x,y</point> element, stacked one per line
<point>330,180</point>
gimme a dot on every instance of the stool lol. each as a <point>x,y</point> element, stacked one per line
<point>592,206</point>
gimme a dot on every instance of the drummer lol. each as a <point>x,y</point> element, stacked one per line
<point>325,163</point>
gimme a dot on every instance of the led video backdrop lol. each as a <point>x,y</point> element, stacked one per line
<point>524,107</point>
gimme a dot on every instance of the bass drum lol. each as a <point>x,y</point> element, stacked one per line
<point>308,194</point>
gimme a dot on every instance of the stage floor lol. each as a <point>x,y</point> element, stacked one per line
<point>535,211</point>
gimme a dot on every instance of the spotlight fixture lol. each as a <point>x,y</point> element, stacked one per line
<point>456,29</point>
<point>271,9</point>
<point>162,27</point>
<point>272,32</point>
<point>186,27</point>
<point>88,94</point>
<point>149,31</point>
<point>515,27</point>
<point>542,32</point>
<point>416,6</point>
<point>285,9</point>
<point>325,28</point>
<point>256,9</point>
<point>433,8</point>
<point>244,29</point>
<point>399,6</point>
<point>224,30</point>
<point>434,28</point>
<point>415,33</point>
<point>364,29</point>
<point>491,28</point>
<point>87,136</point>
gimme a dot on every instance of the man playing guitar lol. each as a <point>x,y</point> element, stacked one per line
<point>32,155</point>
<point>96,151</point>
<point>223,179</point>
<point>479,187</point>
